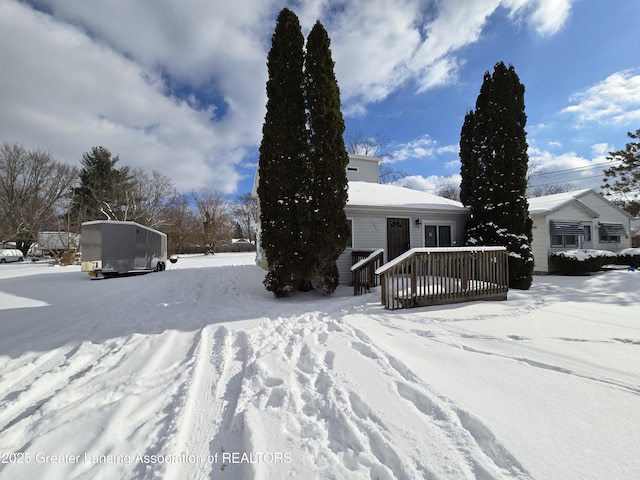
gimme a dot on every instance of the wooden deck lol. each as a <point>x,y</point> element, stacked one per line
<point>436,276</point>
<point>363,271</point>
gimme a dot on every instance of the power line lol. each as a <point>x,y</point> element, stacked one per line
<point>574,169</point>
<point>564,181</point>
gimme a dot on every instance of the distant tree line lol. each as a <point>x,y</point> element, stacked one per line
<point>39,193</point>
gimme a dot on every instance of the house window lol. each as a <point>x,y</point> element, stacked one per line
<point>570,240</point>
<point>609,239</point>
<point>352,169</point>
<point>350,241</point>
<point>564,240</point>
<point>565,233</point>
<point>587,232</point>
<point>611,232</point>
<point>437,235</point>
<point>444,235</point>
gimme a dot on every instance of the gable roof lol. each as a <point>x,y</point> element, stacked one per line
<point>368,194</point>
<point>552,203</point>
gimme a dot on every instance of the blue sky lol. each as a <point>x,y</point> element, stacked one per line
<point>180,86</point>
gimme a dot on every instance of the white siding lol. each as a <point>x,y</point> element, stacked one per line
<point>363,169</point>
<point>370,231</point>
<point>540,243</point>
<point>607,213</point>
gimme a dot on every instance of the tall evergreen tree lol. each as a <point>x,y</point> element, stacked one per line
<point>102,193</point>
<point>494,165</point>
<point>282,165</point>
<point>468,163</point>
<point>328,230</point>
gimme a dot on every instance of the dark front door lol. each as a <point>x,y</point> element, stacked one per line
<point>397,237</point>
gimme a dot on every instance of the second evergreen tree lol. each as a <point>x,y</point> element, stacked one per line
<point>328,229</point>
<point>494,161</point>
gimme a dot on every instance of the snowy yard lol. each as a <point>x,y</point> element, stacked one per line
<point>199,373</point>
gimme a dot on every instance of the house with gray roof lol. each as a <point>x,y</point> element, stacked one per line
<point>579,219</point>
<point>392,218</point>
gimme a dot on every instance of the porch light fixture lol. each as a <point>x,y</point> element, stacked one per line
<point>417,222</point>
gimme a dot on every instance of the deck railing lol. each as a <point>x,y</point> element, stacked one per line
<point>363,271</point>
<point>436,276</point>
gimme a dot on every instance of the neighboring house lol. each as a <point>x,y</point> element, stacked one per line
<point>54,243</point>
<point>635,232</point>
<point>579,219</point>
<point>391,218</point>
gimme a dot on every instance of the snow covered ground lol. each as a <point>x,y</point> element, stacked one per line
<point>199,373</point>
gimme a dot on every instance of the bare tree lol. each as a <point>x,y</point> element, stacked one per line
<point>147,196</point>
<point>388,174</point>
<point>32,187</point>
<point>214,213</point>
<point>449,188</point>
<point>551,189</point>
<point>181,224</point>
<point>373,146</point>
<point>245,212</point>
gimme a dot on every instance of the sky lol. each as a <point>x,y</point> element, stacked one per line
<point>180,87</point>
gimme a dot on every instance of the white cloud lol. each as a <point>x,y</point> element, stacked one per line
<point>421,147</point>
<point>431,184</point>
<point>453,164</point>
<point>616,100</point>
<point>546,16</point>
<point>601,149</point>
<point>568,168</point>
<point>449,149</point>
<point>68,93</point>
<point>180,87</point>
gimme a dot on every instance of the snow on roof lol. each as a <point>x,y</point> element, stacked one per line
<point>382,195</point>
<point>550,203</point>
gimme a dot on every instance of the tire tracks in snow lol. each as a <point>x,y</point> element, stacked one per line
<point>635,390</point>
<point>442,339</point>
<point>208,402</point>
<point>34,386</point>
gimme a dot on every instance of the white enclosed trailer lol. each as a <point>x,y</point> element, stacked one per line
<point>112,248</point>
